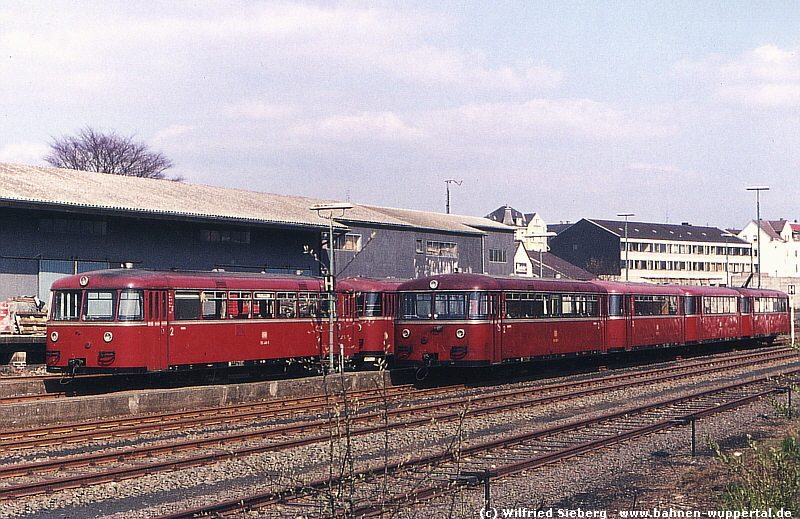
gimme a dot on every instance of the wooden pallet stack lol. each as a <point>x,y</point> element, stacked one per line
<point>23,315</point>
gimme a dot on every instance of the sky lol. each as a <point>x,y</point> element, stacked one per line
<point>665,109</point>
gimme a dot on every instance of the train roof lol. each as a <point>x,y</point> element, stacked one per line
<point>138,278</point>
<point>761,292</point>
<point>464,281</point>
<point>359,284</point>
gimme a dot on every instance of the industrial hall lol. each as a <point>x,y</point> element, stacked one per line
<point>58,222</point>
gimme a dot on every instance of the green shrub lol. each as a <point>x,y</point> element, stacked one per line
<point>767,477</point>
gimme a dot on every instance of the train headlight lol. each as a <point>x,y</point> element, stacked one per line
<point>460,333</point>
<point>54,336</point>
<point>406,333</point>
<point>108,336</point>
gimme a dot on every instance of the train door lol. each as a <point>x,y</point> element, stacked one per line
<point>495,318</point>
<point>617,322</point>
<point>156,304</point>
<point>746,311</point>
<point>691,310</point>
<point>348,313</point>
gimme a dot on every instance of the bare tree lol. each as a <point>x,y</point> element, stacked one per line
<point>92,150</point>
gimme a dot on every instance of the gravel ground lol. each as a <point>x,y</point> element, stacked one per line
<point>650,472</point>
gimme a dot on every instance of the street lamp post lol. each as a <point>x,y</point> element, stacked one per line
<point>727,235</point>
<point>546,234</point>
<point>327,212</point>
<point>627,264</point>
<point>447,183</point>
<point>758,190</point>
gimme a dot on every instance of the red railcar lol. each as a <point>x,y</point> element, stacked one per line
<point>129,320</point>
<point>367,308</point>
<point>474,320</point>
<point>765,313</point>
<point>643,316</point>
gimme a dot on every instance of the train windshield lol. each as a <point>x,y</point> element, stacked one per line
<point>444,305</point>
<point>369,304</point>
<point>66,305</point>
<point>131,305</point>
<point>99,305</point>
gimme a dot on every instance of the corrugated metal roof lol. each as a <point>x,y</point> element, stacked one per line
<point>441,221</point>
<point>70,188</point>
<point>66,188</point>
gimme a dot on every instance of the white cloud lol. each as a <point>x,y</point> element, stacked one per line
<point>24,153</point>
<point>767,76</point>
<point>376,126</point>
<point>255,109</point>
<point>171,133</point>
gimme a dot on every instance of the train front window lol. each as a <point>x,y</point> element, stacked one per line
<point>450,306</point>
<point>478,305</point>
<point>369,304</point>
<point>416,306</point>
<point>66,306</point>
<point>131,305</point>
<point>98,305</point>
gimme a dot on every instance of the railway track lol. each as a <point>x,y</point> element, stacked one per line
<point>129,461</point>
<point>230,415</point>
<point>421,478</point>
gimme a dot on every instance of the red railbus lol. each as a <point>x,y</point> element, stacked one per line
<point>475,320</point>
<point>130,320</point>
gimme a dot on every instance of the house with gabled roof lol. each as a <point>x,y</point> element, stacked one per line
<point>780,246</point>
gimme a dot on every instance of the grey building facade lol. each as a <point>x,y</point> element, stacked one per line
<point>56,222</point>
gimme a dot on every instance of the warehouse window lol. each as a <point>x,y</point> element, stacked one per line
<point>65,226</point>
<point>498,256</point>
<point>222,236</point>
<point>348,242</point>
<point>441,248</point>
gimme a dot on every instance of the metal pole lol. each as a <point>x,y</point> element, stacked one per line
<point>332,294</point>
<point>447,183</point>
<point>541,266</point>
<point>758,217</point>
<point>627,263</point>
<point>319,208</point>
<point>758,190</point>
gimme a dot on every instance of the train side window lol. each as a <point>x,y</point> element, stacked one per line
<point>690,303</point>
<point>745,305</point>
<point>239,305</point>
<point>213,304</point>
<point>131,305</point>
<point>527,305</point>
<point>616,308</point>
<point>264,305</point>
<point>287,305</point>
<point>187,305</point>
<point>66,306</point>
<point>307,305</point>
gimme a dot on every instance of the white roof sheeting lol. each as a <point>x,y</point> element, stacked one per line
<point>66,188</point>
